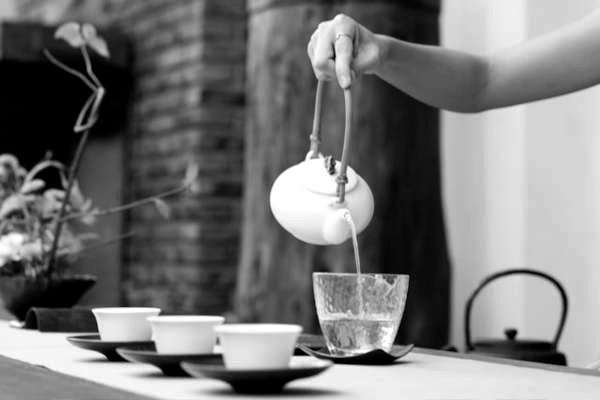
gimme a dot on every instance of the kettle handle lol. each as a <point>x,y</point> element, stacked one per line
<point>315,136</point>
<point>486,281</point>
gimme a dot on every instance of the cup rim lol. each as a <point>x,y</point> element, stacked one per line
<point>124,310</point>
<point>258,329</point>
<point>173,319</point>
<point>370,274</point>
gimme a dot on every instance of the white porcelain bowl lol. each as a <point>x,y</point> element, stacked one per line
<point>185,334</point>
<point>257,346</point>
<point>124,324</point>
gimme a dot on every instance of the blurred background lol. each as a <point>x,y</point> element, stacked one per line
<point>228,84</point>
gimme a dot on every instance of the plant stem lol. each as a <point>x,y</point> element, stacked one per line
<point>43,165</point>
<point>68,69</point>
<point>63,207</point>
<point>93,104</point>
<point>88,66</point>
<point>133,204</point>
<point>107,242</point>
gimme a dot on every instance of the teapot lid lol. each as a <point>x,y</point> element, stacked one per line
<point>314,176</point>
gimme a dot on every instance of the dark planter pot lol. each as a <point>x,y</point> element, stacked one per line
<point>20,293</point>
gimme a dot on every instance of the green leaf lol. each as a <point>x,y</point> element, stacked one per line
<point>70,32</point>
<point>10,161</point>
<point>32,186</point>
<point>76,200</point>
<point>89,219</point>
<point>11,204</point>
<point>87,205</point>
<point>51,202</point>
<point>88,31</point>
<point>55,195</point>
<point>162,207</point>
<point>94,41</point>
<point>191,178</point>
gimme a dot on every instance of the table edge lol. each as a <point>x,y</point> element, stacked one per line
<point>508,361</point>
<point>34,370</point>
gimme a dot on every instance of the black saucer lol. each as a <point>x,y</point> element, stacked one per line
<point>93,342</point>
<point>373,357</point>
<point>169,364</point>
<point>258,381</point>
<point>312,341</point>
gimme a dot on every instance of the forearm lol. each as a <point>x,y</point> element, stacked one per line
<point>442,78</point>
<point>557,63</point>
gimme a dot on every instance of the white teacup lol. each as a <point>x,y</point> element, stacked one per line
<point>124,324</point>
<point>258,346</point>
<point>185,334</point>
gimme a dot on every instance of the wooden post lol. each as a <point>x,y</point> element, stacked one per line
<point>395,148</point>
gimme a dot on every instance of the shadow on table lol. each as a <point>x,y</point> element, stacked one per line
<point>100,359</point>
<point>287,392</point>
<point>158,374</point>
<point>400,362</point>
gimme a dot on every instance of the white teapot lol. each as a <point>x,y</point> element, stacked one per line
<point>320,199</point>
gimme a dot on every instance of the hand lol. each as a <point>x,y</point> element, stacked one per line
<point>341,48</point>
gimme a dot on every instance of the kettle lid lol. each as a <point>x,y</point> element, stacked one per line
<point>315,176</point>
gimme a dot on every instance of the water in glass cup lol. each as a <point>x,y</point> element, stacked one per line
<point>358,335</point>
<point>359,312</point>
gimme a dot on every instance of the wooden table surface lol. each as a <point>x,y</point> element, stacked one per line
<point>68,372</point>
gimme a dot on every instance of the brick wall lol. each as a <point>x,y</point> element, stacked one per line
<point>188,104</point>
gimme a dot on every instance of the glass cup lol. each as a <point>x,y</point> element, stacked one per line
<point>359,312</point>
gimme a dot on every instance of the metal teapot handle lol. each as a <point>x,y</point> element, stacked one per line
<point>486,281</point>
<point>315,136</point>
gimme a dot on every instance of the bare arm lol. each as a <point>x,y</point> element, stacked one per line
<point>560,62</point>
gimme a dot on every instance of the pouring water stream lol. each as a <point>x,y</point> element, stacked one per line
<point>348,218</point>
<point>350,221</point>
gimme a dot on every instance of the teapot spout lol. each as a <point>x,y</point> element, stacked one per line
<point>337,228</point>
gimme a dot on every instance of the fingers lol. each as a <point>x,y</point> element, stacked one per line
<point>331,49</point>
<point>311,44</point>
<point>344,30</point>
<point>343,58</point>
<point>321,52</point>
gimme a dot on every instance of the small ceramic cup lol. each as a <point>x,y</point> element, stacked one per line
<point>185,334</point>
<point>124,324</point>
<point>257,346</point>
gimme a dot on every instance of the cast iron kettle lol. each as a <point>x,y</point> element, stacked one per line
<point>511,347</point>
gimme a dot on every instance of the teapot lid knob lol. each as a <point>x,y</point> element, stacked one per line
<point>511,333</point>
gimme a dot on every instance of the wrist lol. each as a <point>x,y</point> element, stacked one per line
<point>383,44</point>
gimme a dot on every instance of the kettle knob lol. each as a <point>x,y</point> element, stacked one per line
<point>511,333</point>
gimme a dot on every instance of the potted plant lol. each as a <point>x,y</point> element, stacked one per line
<point>43,229</point>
